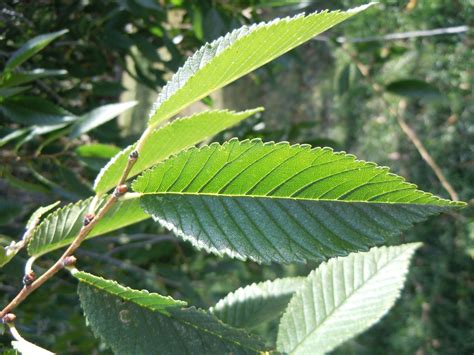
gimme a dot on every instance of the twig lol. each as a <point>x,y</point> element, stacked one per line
<point>412,136</point>
<point>400,35</point>
<point>89,223</point>
<point>409,132</point>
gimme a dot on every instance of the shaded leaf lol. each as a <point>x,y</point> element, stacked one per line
<point>236,54</point>
<point>170,139</point>
<point>8,92</point>
<point>138,322</point>
<point>30,48</point>
<point>13,135</point>
<point>96,155</point>
<point>98,117</point>
<point>276,202</point>
<point>343,298</point>
<point>18,78</point>
<point>30,110</point>
<point>412,88</point>
<point>255,304</point>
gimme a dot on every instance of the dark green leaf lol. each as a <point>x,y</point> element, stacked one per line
<point>138,322</point>
<point>36,111</point>
<point>412,88</point>
<point>30,48</point>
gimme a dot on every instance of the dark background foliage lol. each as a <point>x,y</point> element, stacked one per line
<point>346,96</point>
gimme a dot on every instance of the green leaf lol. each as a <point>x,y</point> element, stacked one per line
<point>36,216</point>
<point>9,92</point>
<point>98,117</point>
<point>96,155</point>
<point>5,256</point>
<point>59,228</point>
<point>8,252</point>
<point>137,322</point>
<point>13,135</point>
<point>413,88</point>
<point>170,139</point>
<point>97,150</point>
<point>343,298</point>
<point>18,78</point>
<point>30,110</point>
<point>30,48</point>
<point>236,54</point>
<point>255,304</point>
<point>276,202</point>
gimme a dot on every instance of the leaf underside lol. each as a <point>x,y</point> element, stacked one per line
<point>138,322</point>
<point>236,54</point>
<point>343,298</point>
<point>276,202</point>
<point>59,228</point>
<point>170,139</point>
<point>255,304</point>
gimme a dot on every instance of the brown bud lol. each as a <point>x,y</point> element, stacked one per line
<point>29,278</point>
<point>120,190</point>
<point>133,155</point>
<point>88,218</point>
<point>69,261</point>
<point>8,318</point>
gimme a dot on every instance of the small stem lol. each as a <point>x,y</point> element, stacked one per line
<point>413,137</point>
<point>29,265</point>
<point>14,332</point>
<point>83,233</point>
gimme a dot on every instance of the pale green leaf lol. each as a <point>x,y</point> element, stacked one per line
<point>257,303</point>
<point>138,322</point>
<point>18,78</point>
<point>236,54</point>
<point>276,202</point>
<point>97,150</point>
<point>343,298</point>
<point>59,228</point>
<point>30,48</point>
<point>99,116</point>
<point>170,139</point>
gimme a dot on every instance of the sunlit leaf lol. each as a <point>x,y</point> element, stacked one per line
<point>343,298</point>
<point>276,202</point>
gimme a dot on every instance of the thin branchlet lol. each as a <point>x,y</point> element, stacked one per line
<point>31,283</point>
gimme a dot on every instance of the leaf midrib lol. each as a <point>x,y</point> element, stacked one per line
<point>328,316</point>
<point>438,203</point>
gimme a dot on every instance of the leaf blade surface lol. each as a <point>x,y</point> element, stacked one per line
<point>276,202</point>
<point>343,298</point>
<point>239,52</point>
<point>138,322</point>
